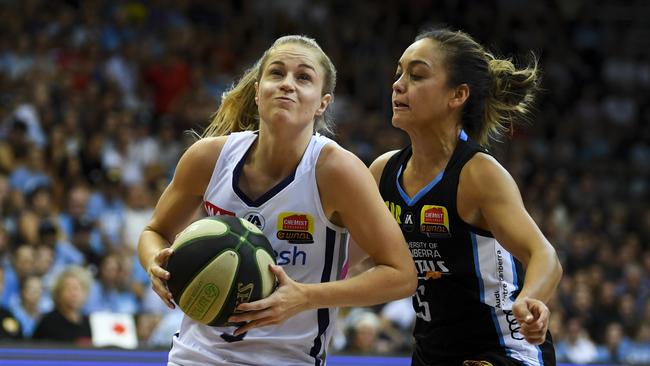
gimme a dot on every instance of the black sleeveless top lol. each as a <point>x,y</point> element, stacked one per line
<point>467,281</point>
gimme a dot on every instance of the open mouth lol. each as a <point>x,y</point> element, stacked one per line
<point>397,104</point>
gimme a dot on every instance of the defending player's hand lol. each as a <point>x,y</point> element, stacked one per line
<point>287,300</point>
<point>533,317</point>
<point>159,276</point>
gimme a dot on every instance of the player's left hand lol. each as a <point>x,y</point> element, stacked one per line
<point>287,300</point>
<point>533,317</point>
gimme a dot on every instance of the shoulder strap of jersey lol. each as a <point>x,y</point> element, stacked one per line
<point>387,180</point>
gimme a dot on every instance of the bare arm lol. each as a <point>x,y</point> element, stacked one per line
<point>175,210</point>
<point>346,183</point>
<point>489,198</point>
<point>358,259</point>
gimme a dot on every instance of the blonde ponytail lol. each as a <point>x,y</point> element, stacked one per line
<point>238,111</point>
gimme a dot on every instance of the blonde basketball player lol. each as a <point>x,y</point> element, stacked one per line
<point>261,159</point>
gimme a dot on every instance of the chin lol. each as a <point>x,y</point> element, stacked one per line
<point>397,122</point>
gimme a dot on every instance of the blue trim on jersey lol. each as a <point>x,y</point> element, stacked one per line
<point>324,314</point>
<point>477,268</point>
<point>463,135</point>
<point>236,174</point>
<point>515,279</point>
<point>411,201</point>
<point>495,320</point>
<point>539,356</point>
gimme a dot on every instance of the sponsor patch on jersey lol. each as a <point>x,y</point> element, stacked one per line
<point>296,228</point>
<point>256,219</point>
<point>408,225</point>
<point>434,221</point>
<point>214,210</point>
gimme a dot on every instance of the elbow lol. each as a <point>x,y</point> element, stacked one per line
<point>410,281</point>
<point>558,268</point>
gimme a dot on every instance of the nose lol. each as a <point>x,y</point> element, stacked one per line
<point>398,85</point>
<point>288,84</point>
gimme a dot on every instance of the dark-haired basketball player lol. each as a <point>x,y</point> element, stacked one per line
<point>485,270</point>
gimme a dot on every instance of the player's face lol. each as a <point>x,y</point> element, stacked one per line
<point>420,91</point>
<point>290,88</point>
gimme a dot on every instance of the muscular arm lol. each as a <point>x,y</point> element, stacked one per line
<point>489,198</point>
<point>489,188</point>
<point>347,187</point>
<point>176,208</point>
<point>358,260</point>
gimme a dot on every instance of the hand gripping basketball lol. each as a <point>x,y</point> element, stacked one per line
<point>159,276</point>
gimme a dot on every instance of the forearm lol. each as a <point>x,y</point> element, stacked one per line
<point>149,244</point>
<point>362,290</point>
<point>543,274</point>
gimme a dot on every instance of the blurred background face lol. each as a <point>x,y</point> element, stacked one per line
<point>24,261</point>
<point>31,292</point>
<point>290,88</point>
<point>72,294</point>
<point>110,270</point>
<point>43,259</point>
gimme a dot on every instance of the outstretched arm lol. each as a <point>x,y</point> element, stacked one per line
<point>489,198</point>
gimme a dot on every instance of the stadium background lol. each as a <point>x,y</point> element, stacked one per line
<point>95,97</point>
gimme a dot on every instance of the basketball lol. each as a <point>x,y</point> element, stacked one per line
<point>219,262</point>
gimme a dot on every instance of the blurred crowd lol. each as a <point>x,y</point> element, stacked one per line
<point>97,98</point>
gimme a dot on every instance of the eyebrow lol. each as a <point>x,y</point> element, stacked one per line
<point>414,63</point>
<point>300,65</point>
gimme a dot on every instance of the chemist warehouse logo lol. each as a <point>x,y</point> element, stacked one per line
<point>296,228</point>
<point>434,221</point>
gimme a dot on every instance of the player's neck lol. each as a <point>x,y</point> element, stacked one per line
<point>432,148</point>
<point>277,156</point>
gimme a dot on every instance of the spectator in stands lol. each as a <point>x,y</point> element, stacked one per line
<point>107,292</point>
<point>30,304</point>
<point>21,267</point>
<point>66,323</point>
<point>9,326</point>
<point>577,347</point>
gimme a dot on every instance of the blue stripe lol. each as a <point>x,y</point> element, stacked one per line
<point>477,267</point>
<point>515,280</point>
<point>75,363</point>
<point>482,292</point>
<point>411,201</point>
<point>6,352</point>
<point>539,355</point>
<point>324,314</point>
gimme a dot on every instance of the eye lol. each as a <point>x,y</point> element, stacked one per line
<point>276,72</point>
<point>304,77</point>
<point>415,77</point>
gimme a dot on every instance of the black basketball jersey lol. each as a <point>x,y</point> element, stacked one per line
<point>467,281</point>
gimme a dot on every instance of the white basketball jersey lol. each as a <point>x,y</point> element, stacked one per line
<point>307,245</point>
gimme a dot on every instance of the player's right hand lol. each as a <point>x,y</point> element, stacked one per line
<point>159,276</point>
